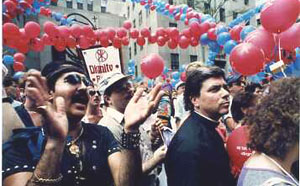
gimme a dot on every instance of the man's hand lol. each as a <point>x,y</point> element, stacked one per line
<point>140,107</point>
<point>160,154</point>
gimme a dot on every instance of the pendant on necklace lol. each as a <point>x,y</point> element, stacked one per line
<point>74,149</point>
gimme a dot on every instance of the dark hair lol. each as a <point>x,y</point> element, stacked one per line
<point>194,82</point>
<point>251,87</point>
<point>274,124</point>
<point>239,101</point>
<point>8,81</point>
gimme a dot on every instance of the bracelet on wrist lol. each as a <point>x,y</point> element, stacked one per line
<point>47,181</point>
<point>131,141</point>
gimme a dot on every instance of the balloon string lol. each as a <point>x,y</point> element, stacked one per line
<point>280,58</point>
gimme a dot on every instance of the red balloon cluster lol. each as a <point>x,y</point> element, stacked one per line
<point>152,65</point>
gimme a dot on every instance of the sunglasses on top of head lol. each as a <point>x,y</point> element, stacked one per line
<point>75,79</point>
<point>93,92</point>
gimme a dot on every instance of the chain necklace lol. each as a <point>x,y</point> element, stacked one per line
<point>281,168</point>
<point>74,148</point>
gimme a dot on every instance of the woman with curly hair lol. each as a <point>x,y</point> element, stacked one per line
<point>274,136</point>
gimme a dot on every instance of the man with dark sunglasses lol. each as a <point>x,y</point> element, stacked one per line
<point>94,112</point>
<point>66,151</point>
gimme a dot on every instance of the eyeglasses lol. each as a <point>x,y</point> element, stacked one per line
<point>75,79</point>
<point>93,92</point>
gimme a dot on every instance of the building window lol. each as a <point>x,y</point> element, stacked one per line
<point>246,2</point>
<point>90,6</point>
<point>128,12</point>
<point>141,48</point>
<point>190,3</point>
<point>206,8</point>
<point>234,15</point>
<point>129,52</point>
<point>69,4</point>
<point>135,51</point>
<point>147,12</point>
<point>134,24</point>
<point>133,6</point>
<point>140,18</point>
<point>222,14</point>
<point>174,61</point>
<point>193,58</point>
<point>171,2</point>
<point>79,5</point>
<point>172,24</point>
<point>103,9</point>
<point>53,3</point>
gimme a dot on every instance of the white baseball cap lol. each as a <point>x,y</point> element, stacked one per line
<point>109,80</point>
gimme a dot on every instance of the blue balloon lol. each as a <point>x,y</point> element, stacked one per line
<point>8,59</point>
<point>58,16</point>
<point>150,83</point>
<point>246,30</point>
<point>210,63</point>
<point>205,17</point>
<point>223,38</point>
<point>297,63</point>
<point>174,82</point>
<point>204,39</point>
<point>3,8</point>
<point>213,46</point>
<point>175,75</point>
<point>182,17</point>
<point>221,29</point>
<point>182,68</point>
<point>193,20</point>
<point>229,45</point>
<point>166,70</point>
<point>18,75</point>
<point>147,6</point>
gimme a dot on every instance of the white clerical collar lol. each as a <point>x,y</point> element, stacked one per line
<point>206,117</point>
<point>118,116</point>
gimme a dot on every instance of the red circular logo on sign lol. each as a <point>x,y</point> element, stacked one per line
<point>101,55</point>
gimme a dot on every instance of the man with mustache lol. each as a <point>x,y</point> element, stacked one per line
<point>67,151</point>
<point>196,155</point>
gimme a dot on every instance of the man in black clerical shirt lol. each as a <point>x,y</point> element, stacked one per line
<point>196,155</point>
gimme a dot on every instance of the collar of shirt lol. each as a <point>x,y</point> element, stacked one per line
<point>116,115</point>
<point>207,117</point>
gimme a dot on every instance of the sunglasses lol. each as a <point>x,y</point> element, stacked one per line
<point>75,79</point>
<point>93,92</point>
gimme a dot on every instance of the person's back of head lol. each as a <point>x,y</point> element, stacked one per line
<point>193,66</point>
<point>195,80</point>
<point>274,124</point>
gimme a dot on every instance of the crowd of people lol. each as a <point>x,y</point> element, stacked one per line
<point>59,128</point>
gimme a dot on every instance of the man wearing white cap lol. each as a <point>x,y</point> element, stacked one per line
<point>180,112</point>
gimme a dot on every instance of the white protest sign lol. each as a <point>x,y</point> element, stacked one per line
<point>101,61</point>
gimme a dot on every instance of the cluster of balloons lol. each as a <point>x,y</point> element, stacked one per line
<point>261,46</point>
<point>17,61</point>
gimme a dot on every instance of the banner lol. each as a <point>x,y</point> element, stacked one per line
<point>101,61</point>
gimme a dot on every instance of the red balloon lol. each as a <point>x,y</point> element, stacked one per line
<point>152,38</point>
<point>125,41</point>
<point>104,42</point>
<point>83,42</point>
<point>161,41</point>
<point>23,37</point>
<point>152,66</point>
<point>18,66</point>
<point>174,32</point>
<point>145,32</point>
<point>290,39</point>
<point>183,76</point>
<point>32,29</point>
<point>111,33</point>
<point>160,31</point>
<point>102,35</point>
<point>278,15</point>
<point>247,59</point>
<point>60,48</point>
<point>71,42</point>
<point>172,44</point>
<point>195,29</point>
<point>186,32</point>
<point>121,32</point>
<point>127,25</point>
<point>194,41</point>
<point>37,45</point>
<point>211,34</point>
<point>76,31</point>
<point>64,31</point>
<point>177,16</point>
<point>263,40</point>
<point>204,27</point>
<point>19,57</point>
<point>152,7</point>
<point>10,6</point>
<point>235,32</point>
<point>134,33</point>
<point>10,30</point>
<point>117,43</point>
<point>50,29</point>
<point>25,5</point>
<point>237,148</point>
<point>140,40</point>
<point>183,42</point>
